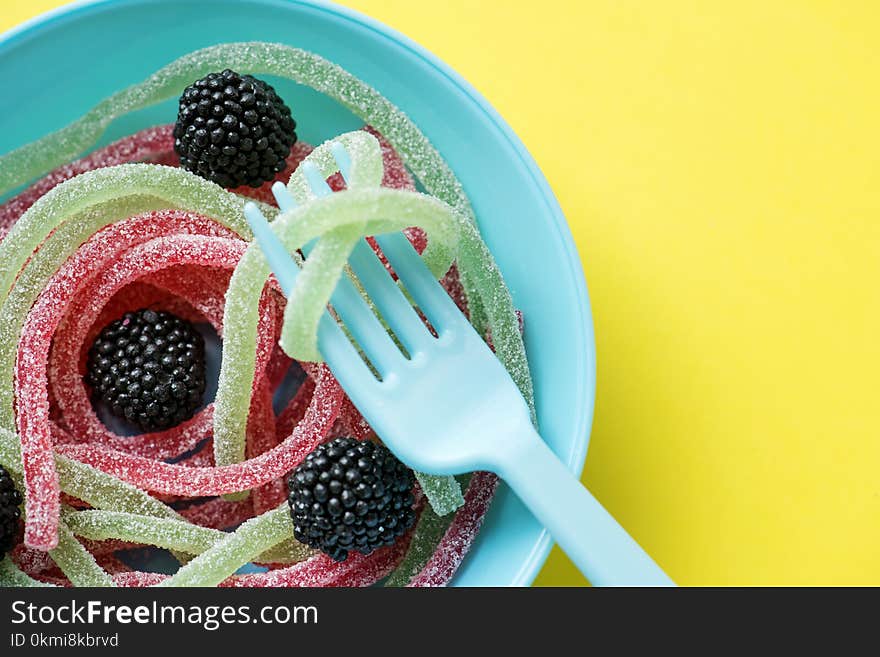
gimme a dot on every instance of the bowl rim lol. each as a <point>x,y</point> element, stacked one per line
<point>586,383</point>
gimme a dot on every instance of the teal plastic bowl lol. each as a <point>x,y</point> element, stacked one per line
<point>62,63</point>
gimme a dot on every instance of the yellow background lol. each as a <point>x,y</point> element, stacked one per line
<point>719,165</point>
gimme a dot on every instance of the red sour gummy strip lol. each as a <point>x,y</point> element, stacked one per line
<point>154,145</point>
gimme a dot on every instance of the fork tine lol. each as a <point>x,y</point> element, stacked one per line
<point>345,362</point>
<point>354,312</point>
<point>431,298</point>
<point>378,284</point>
<point>315,179</point>
<point>387,297</point>
<point>346,300</point>
<point>343,160</point>
<point>283,197</point>
<point>284,267</point>
<point>330,336</point>
<point>365,327</point>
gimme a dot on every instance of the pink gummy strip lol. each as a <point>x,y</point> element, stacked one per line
<point>41,481</point>
<point>218,513</point>
<point>69,390</point>
<point>461,533</point>
<point>176,479</point>
<point>151,145</point>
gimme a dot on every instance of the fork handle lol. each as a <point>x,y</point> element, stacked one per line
<point>588,534</point>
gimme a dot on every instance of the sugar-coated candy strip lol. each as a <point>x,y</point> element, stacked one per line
<point>261,435</point>
<point>353,423</point>
<point>286,552</point>
<point>41,484</point>
<point>428,532</point>
<point>11,575</point>
<point>461,533</point>
<point>138,579</point>
<point>76,562</point>
<point>261,439</point>
<point>270,495</point>
<point>444,493</point>
<point>219,513</point>
<point>483,282</point>
<point>319,570</point>
<point>148,145</point>
<point>371,569</point>
<point>200,481</point>
<point>133,184</point>
<point>88,484</point>
<point>32,385</point>
<point>314,285</point>
<point>161,532</point>
<point>166,533</point>
<point>235,550</point>
<point>315,571</point>
<point>296,408</point>
<point>76,276</point>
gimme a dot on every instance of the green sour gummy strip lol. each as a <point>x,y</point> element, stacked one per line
<point>235,550</point>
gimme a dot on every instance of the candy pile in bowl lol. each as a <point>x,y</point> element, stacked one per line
<point>114,264</point>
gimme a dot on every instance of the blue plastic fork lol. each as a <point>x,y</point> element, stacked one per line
<point>450,406</point>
